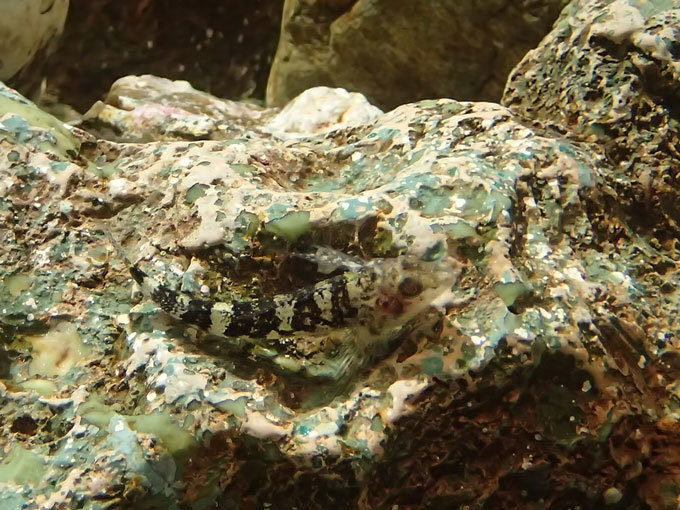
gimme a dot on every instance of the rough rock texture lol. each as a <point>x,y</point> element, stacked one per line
<point>147,108</point>
<point>544,353</point>
<point>29,31</point>
<point>395,52</point>
<point>544,378</point>
<point>224,47</point>
<point>610,73</point>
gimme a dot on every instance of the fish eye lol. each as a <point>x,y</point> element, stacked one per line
<point>410,286</point>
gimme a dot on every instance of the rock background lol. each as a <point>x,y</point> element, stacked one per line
<point>617,87</point>
<point>223,47</point>
<point>24,52</point>
<point>398,51</point>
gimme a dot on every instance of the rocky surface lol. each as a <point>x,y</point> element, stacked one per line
<point>609,73</point>
<point>395,52</point>
<point>544,377</point>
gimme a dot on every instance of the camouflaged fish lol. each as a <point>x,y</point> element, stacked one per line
<point>379,292</point>
<point>373,299</point>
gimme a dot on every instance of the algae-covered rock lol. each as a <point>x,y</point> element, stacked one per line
<point>539,371</point>
<point>609,73</point>
<point>395,52</point>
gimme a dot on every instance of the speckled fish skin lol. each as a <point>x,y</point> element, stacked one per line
<point>380,292</point>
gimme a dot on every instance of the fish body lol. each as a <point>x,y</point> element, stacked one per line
<point>326,330</point>
<point>381,292</point>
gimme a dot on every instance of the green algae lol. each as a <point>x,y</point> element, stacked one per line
<point>509,292</point>
<point>17,283</point>
<point>42,387</point>
<point>56,137</point>
<point>104,170</point>
<point>243,170</point>
<point>246,226</point>
<point>175,439</point>
<point>57,351</point>
<point>235,407</point>
<point>433,365</point>
<point>290,226</point>
<point>21,466</point>
<point>194,193</point>
<point>172,436</point>
<point>457,230</point>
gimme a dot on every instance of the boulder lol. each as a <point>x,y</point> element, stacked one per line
<point>608,73</point>
<point>540,371</point>
<point>395,52</point>
<point>29,31</point>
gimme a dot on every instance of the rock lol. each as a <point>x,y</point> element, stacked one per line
<point>398,52</point>
<point>608,73</point>
<point>322,109</point>
<point>147,108</point>
<point>29,30</point>
<point>223,47</point>
<point>544,377</point>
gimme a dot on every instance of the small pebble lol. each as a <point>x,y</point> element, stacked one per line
<point>612,496</point>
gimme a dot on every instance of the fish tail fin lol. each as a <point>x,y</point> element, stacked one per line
<point>137,274</point>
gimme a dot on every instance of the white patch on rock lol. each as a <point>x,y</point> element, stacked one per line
<point>401,391</point>
<point>322,109</point>
<point>258,426</point>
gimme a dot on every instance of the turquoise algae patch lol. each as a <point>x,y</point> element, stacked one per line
<point>354,208</point>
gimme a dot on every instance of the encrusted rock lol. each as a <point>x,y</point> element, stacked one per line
<point>545,376</point>
<point>609,73</point>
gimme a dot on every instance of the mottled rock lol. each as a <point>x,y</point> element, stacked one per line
<point>609,73</point>
<point>29,30</point>
<point>147,108</point>
<point>544,377</point>
<point>395,52</point>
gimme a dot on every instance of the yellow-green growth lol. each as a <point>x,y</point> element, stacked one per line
<point>22,467</point>
<point>57,351</point>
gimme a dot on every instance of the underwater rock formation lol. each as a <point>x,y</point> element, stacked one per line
<point>448,304</point>
<point>396,52</point>
<point>29,31</point>
<point>609,73</point>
